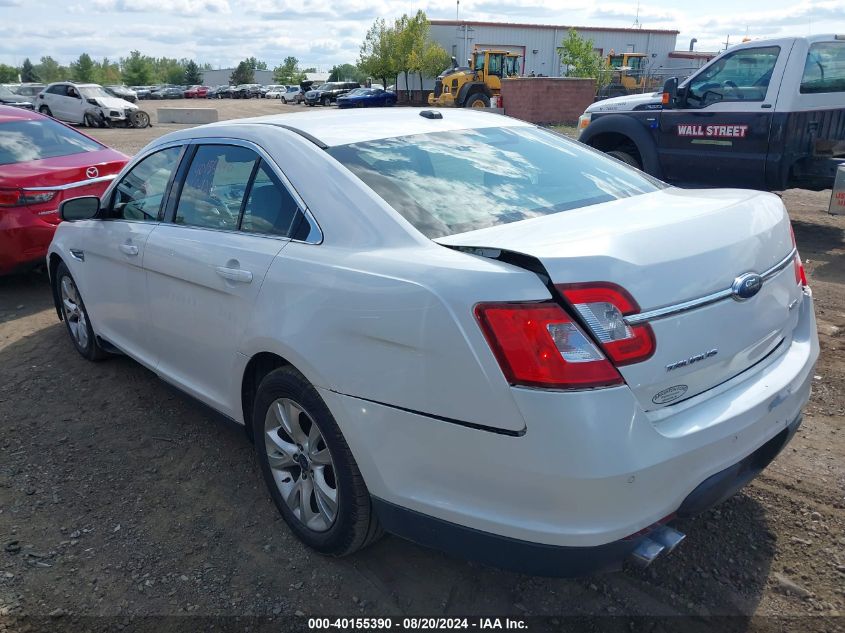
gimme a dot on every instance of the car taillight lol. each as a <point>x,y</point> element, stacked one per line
<point>604,306</point>
<point>20,197</point>
<point>797,264</point>
<point>539,345</point>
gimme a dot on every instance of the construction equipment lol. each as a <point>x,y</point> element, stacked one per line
<point>474,86</point>
<point>627,74</point>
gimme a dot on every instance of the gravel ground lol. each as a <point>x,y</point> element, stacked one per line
<point>122,500</point>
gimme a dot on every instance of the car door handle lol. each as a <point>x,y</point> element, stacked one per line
<point>129,249</point>
<point>234,274</point>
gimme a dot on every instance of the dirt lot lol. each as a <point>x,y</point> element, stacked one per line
<point>121,499</point>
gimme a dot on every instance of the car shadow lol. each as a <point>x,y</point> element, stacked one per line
<point>24,294</point>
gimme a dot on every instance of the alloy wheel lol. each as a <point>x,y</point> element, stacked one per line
<point>301,464</point>
<point>74,313</point>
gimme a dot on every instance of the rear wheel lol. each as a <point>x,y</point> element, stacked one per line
<point>308,467</point>
<point>45,110</point>
<point>625,157</point>
<point>90,120</point>
<point>75,316</point>
<point>478,100</point>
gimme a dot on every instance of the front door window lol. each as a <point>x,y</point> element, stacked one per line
<point>740,76</point>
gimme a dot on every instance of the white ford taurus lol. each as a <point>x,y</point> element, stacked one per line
<point>454,326</point>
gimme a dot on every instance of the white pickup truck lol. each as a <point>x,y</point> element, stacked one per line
<point>766,115</point>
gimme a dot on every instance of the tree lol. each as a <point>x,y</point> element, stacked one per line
<point>83,69</point>
<point>581,59</point>
<point>107,72</point>
<point>435,60</point>
<point>28,74</point>
<point>8,73</point>
<point>347,72</point>
<point>378,53</point>
<point>256,64</point>
<point>137,69</point>
<point>49,70</point>
<point>243,74</point>
<point>288,71</point>
<point>193,76</point>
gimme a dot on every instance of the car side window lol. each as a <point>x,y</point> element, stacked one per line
<point>740,76</point>
<point>824,69</point>
<point>60,90</point>
<point>139,194</point>
<point>215,186</point>
<point>270,208</point>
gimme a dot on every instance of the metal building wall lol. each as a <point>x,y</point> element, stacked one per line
<point>545,41</point>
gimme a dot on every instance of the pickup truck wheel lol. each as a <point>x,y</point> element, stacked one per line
<point>625,157</point>
<point>308,468</point>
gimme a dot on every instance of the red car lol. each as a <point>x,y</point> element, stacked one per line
<point>43,162</point>
<point>197,92</point>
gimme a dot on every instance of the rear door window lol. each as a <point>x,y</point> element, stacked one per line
<point>824,70</point>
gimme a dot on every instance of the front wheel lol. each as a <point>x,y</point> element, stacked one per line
<point>75,316</point>
<point>478,101</point>
<point>309,470</point>
<point>625,157</point>
<point>327,101</point>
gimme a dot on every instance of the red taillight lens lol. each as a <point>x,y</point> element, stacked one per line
<point>9,197</point>
<point>604,306</point>
<point>538,345</point>
<point>20,197</point>
<point>798,266</point>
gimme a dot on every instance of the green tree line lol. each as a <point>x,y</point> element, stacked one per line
<point>403,48</point>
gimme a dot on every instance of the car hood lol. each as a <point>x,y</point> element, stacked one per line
<point>47,172</point>
<point>15,99</point>
<point>115,103</point>
<point>625,103</point>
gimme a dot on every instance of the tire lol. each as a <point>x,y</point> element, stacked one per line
<point>45,110</point>
<point>75,316</point>
<point>625,157</point>
<point>327,101</point>
<point>140,119</point>
<point>89,120</point>
<point>478,100</point>
<point>285,399</point>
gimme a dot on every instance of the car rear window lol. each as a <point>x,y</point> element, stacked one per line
<point>22,141</point>
<point>446,183</point>
<point>824,70</point>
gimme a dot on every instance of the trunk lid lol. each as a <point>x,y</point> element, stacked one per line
<point>667,248</point>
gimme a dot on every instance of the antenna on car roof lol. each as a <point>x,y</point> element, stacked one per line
<point>431,114</point>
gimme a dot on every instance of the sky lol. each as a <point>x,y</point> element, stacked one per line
<point>322,33</point>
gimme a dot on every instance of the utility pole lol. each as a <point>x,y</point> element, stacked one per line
<point>458,11</point>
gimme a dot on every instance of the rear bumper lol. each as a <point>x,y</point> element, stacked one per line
<point>568,562</point>
<point>24,239</point>
<point>592,467</point>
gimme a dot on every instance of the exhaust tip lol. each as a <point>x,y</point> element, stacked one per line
<point>646,552</point>
<point>667,537</point>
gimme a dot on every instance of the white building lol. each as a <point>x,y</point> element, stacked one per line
<point>538,44</point>
<point>221,77</point>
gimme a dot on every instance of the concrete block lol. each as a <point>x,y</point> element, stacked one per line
<point>188,116</point>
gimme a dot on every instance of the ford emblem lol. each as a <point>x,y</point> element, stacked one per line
<point>746,286</point>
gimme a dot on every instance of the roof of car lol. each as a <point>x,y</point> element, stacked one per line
<point>11,113</point>
<point>341,127</point>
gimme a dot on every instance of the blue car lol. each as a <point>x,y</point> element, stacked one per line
<point>367,98</point>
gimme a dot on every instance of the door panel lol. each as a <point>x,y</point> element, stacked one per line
<point>115,288</point>
<point>231,218</point>
<point>721,134</point>
<point>202,285</point>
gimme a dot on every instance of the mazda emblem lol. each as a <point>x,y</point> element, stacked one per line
<point>746,286</point>
<point>92,172</point>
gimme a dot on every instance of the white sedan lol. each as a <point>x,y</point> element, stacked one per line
<point>455,326</point>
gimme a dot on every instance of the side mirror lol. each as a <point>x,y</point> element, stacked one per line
<point>84,208</point>
<point>670,93</point>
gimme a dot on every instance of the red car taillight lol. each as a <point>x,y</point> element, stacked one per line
<point>21,197</point>
<point>604,306</point>
<point>798,266</point>
<point>539,345</point>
